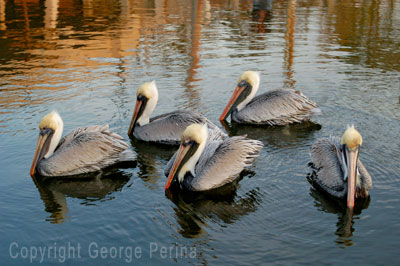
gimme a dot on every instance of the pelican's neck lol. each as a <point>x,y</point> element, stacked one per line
<point>144,119</point>
<point>250,96</point>
<point>190,165</point>
<point>55,139</point>
<point>344,165</point>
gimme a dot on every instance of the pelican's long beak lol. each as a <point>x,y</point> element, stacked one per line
<point>237,97</point>
<point>42,147</point>
<point>178,163</point>
<point>135,117</point>
<point>352,156</point>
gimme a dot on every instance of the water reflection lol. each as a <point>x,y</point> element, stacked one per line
<point>51,14</point>
<point>3,25</point>
<point>86,33</point>
<point>194,209</point>
<point>191,92</point>
<point>92,188</point>
<point>262,14</point>
<point>346,216</point>
<point>151,159</point>
<point>289,41</point>
<point>277,137</point>
<point>367,28</point>
<point>27,33</point>
<point>84,53</point>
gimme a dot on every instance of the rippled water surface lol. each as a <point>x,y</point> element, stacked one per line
<point>87,58</point>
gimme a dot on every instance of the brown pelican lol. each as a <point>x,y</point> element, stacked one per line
<point>84,150</point>
<point>275,108</point>
<point>337,169</point>
<point>166,128</point>
<point>202,164</point>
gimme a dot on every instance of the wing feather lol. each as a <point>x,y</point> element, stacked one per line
<point>86,150</point>
<point>168,128</point>
<point>277,107</point>
<point>327,170</point>
<point>222,161</point>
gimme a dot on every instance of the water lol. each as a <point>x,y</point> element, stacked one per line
<point>87,58</point>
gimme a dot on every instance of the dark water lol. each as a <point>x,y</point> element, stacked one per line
<point>87,58</point>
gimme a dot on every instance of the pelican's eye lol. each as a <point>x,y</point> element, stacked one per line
<point>187,141</point>
<point>46,131</point>
<point>243,83</point>
<point>141,97</point>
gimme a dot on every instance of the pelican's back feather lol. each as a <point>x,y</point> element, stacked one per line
<point>327,170</point>
<point>222,161</point>
<point>277,107</point>
<point>86,150</point>
<point>167,128</point>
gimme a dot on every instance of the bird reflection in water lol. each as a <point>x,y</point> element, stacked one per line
<point>261,13</point>
<point>278,136</point>
<point>346,216</point>
<point>90,188</point>
<point>150,158</point>
<point>221,205</point>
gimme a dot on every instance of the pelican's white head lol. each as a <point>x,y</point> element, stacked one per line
<point>244,92</point>
<point>194,139</point>
<point>351,138</point>
<point>54,122</point>
<point>252,78</point>
<point>146,101</point>
<point>51,127</point>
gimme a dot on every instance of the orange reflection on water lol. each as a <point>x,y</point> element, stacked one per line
<point>289,38</point>
<point>81,37</point>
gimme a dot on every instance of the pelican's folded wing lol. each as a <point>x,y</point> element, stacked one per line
<point>168,128</point>
<point>222,164</point>
<point>277,107</point>
<point>87,150</point>
<point>327,171</point>
<point>94,128</point>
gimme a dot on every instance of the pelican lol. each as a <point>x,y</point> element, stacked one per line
<point>201,164</point>
<point>84,150</point>
<point>337,169</point>
<point>274,108</point>
<point>166,128</point>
